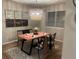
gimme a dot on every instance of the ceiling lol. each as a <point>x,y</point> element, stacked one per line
<point>40,2</point>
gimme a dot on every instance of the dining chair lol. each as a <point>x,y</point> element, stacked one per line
<point>51,40</point>
<point>39,45</point>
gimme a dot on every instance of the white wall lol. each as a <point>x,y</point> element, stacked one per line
<point>9,34</point>
<point>59,31</point>
<point>69,45</point>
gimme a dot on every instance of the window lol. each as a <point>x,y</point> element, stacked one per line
<point>60,19</point>
<point>56,19</point>
<point>51,19</point>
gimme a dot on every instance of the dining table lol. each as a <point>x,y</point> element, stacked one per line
<point>31,37</point>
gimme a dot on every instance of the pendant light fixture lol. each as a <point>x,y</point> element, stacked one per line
<point>36,12</point>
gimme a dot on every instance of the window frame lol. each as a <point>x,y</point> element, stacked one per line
<point>55,19</point>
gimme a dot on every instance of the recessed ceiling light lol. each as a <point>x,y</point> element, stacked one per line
<point>33,13</point>
<point>37,13</point>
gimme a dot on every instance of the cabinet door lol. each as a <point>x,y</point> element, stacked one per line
<point>18,15</point>
<point>10,23</point>
<point>25,15</point>
<point>9,14</point>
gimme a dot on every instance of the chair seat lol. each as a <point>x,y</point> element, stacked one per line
<point>38,45</point>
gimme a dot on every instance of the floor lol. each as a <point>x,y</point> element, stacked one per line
<point>53,54</point>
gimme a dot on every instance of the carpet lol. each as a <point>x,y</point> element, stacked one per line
<point>16,53</point>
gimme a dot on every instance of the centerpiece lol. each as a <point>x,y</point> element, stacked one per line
<point>35,31</point>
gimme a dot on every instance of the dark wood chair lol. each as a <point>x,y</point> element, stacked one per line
<point>39,45</point>
<point>51,40</point>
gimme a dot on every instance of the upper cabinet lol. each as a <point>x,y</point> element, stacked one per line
<point>9,14</point>
<point>25,15</point>
<point>18,15</point>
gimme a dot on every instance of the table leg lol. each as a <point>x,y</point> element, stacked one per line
<point>29,53</point>
<point>38,48</point>
<point>31,47</point>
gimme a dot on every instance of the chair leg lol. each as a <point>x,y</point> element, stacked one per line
<point>17,42</point>
<point>38,54</point>
<point>38,50</point>
<point>53,46</point>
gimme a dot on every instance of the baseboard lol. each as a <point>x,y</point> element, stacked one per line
<point>9,42</point>
<point>59,41</point>
<point>16,41</point>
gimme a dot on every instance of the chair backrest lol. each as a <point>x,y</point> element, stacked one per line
<point>19,32</point>
<point>51,40</point>
<point>54,36</point>
<point>24,31</point>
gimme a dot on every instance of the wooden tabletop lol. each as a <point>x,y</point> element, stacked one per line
<point>30,36</point>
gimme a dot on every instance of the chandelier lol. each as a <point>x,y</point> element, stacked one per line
<point>36,12</point>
